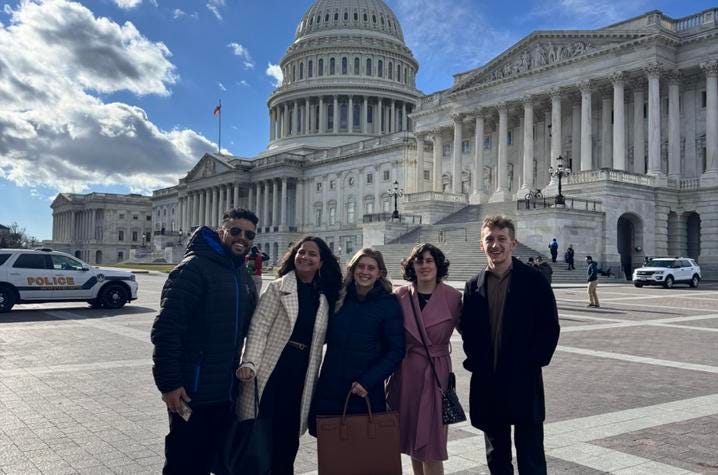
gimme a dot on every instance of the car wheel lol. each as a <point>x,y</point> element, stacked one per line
<point>7,299</point>
<point>638,285</point>
<point>95,303</point>
<point>668,283</point>
<point>695,281</point>
<point>113,296</point>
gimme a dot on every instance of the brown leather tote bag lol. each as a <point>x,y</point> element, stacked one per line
<point>359,444</point>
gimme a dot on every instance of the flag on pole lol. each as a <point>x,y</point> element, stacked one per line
<point>217,109</point>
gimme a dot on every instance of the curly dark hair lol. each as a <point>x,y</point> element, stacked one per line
<point>442,263</point>
<point>239,213</point>
<point>330,274</point>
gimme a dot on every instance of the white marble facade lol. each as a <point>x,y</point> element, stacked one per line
<point>632,108</point>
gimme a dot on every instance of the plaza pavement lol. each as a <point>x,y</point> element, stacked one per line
<point>632,388</point>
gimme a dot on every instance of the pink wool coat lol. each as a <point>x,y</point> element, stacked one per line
<point>412,390</point>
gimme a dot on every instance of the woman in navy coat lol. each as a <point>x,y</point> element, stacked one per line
<point>365,341</point>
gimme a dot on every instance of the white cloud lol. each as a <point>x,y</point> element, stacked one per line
<point>275,71</point>
<point>178,13</point>
<point>243,83</point>
<point>54,132</point>
<point>450,35</point>
<point>221,86</point>
<point>128,4</point>
<point>214,6</point>
<point>585,13</point>
<point>243,54</point>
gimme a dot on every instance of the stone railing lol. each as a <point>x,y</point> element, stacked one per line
<point>684,183</point>
<point>707,17</point>
<point>389,218</point>
<point>434,196</point>
<point>552,202</point>
<point>369,144</point>
<point>605,174</point>
<point>282,159</point>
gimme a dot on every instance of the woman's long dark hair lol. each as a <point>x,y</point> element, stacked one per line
<point>329,277</point>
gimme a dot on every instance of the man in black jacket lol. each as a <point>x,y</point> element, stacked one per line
<point>206,305</point>
<point>510,328</point>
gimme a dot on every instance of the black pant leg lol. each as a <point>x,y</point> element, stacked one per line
<point>190,447</point>
<point>529,449</point>
<point>498,449</point>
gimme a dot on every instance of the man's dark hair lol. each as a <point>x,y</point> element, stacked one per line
<point>239,213</point>
<point>492,222</point>
<point>589,258</point>
<point>531,259</point>
<point>442,263</point>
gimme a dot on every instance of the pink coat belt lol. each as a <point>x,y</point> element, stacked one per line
<point>435,351</point>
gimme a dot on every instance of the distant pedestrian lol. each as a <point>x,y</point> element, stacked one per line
<point>592,277</point>
<point>570,257</point>
<point>553,247</point>
<point>255,265</point>
<point>205,311</point>
<point>509,324</point>
<point>531,262</point>
<point>545,268</point>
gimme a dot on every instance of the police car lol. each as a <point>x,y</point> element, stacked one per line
<point>667,271</point>
<point>44,275</point>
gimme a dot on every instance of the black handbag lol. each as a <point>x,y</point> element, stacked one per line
<point>451,410</point>
<point>247,449</point>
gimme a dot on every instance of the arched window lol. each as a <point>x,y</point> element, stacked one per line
<point>319,18</point>
<point>390,70</point>
<point>373,18</point>
<point>301,70</point>
<point>382,21</point>
<point>336,17</point>
<point>332,67</point>
<point>369,71</point>
<point>356,16</point>
<point>398,72</point>
<point>351,210</point>
<point>345,66</point>
<point>346,16</point>
<point>406,76</point>
<point>294,72</point>
<point>310,68</point>
<point>366,18</point>
<point>326,18</point>
<point>380,68</point>
<point>357,66</point>
<point>320,67</point>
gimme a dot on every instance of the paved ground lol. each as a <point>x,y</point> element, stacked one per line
<point>632,389</point>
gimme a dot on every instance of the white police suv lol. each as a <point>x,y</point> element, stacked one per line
<point>667,271</point>
<point>44,275</point>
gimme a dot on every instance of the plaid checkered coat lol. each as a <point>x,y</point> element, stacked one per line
<point>269,332</point>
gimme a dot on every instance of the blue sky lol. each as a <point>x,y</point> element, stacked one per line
<point>117,95</point>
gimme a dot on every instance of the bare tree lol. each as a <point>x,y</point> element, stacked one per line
<point>17,237</point>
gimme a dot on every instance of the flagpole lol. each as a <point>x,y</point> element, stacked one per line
<point>219,142</point>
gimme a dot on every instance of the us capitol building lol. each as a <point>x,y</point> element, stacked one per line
<point>631,109</point>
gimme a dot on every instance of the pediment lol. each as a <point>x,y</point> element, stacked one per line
<point>209,165</point>
<point>60,200</point>
<point>542,50</point>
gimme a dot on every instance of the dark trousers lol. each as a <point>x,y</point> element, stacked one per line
<point>282,402</point>
<point>554,255</point>
<point>529,449</point>
<point>191,447</point>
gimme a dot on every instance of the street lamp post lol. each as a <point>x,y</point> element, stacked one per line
<point>397,193</point>
<point>560,172</point>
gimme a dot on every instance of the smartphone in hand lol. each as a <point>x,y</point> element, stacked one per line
<point>185,411</point>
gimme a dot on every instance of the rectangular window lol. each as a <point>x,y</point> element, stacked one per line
<point>427,175</point>
<point>510,138</point>
<point>120,256</point>
<point>487,142</point>
<point>386,175</point>
<point>332,215</point>
<point>135,218</point>
<point>332,184</point>
<point>319,186</point>
<point>3,258</point>
<point>350,247</point>
<point>387,206</point>
<point>370,207</point>
<point>122,216</point>
<point>465,146</point>
<point>317,217</point>
<point>65,263</point>
<point>369,178</point>
<point>148,218</point>
<point>645,110</point>
<point>121,236</point>
<point>447,150</point>
<point>704,99</point>
<point>31,261</point>
<point>134,236</point>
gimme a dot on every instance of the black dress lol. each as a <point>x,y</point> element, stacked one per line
<point>282,396</point>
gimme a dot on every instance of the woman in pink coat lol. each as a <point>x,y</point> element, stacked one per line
<point>412,390</point>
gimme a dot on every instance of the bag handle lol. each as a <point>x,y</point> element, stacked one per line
<point>419,327</point>
<point>346,405</point>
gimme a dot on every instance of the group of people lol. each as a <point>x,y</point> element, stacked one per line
<point>215,340</point>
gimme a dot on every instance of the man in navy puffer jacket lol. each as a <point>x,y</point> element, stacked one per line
<point>206,305</point>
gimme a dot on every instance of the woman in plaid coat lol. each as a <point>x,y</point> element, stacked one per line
<point>284,345</point>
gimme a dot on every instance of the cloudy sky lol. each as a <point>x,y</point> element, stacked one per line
<point>117,95</point>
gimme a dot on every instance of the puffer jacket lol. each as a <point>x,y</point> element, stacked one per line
<point>365,343</point>
<point>205,309</point>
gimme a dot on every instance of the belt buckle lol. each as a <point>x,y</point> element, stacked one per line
<point>297,345</point>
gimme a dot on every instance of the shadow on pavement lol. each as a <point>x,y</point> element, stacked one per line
<point>79,312</point>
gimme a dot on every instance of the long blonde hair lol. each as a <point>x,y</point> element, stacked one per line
<point>351,267</point>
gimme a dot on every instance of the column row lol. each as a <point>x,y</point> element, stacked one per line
<point>338,114</point>
<point>207,206</point>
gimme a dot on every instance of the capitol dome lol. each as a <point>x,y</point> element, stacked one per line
<point>347,76</point>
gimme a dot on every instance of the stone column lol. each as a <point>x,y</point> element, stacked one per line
<point>606,129</point>
<point>576,132</point>
<point>710,176</point>
<point>284,202</point>
<point>639,146</point>
<point>528,161</point>
<point>215,207</point>
<point>619,121</point>
<point>392,122</point>
<point>250,197</point>
<point>456,158</point>
<point>653,71</point>
<point>403,117</point>
<point>285,121</point>
<point>340,199</point>
<point>419,172</point>
<point>322,116</point>
<point>305,123</point>
<point>350,115</point>
<point>295,118</point>
<point>180,213</point>
<point>674,125</point>
<point>478,192</point>
<point>586,126</point>
<point>336,115</point>
<point>235,198</point>
<point>298,204</point>
<point>92,225</point>
<point>502,194</point>
<point>202,207</point>
<point>556,143</point>
<point>438,155</point>
<point>365,116</point>
<point>275,203</point>
<point>265,204</point>
<point>258,204</point>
